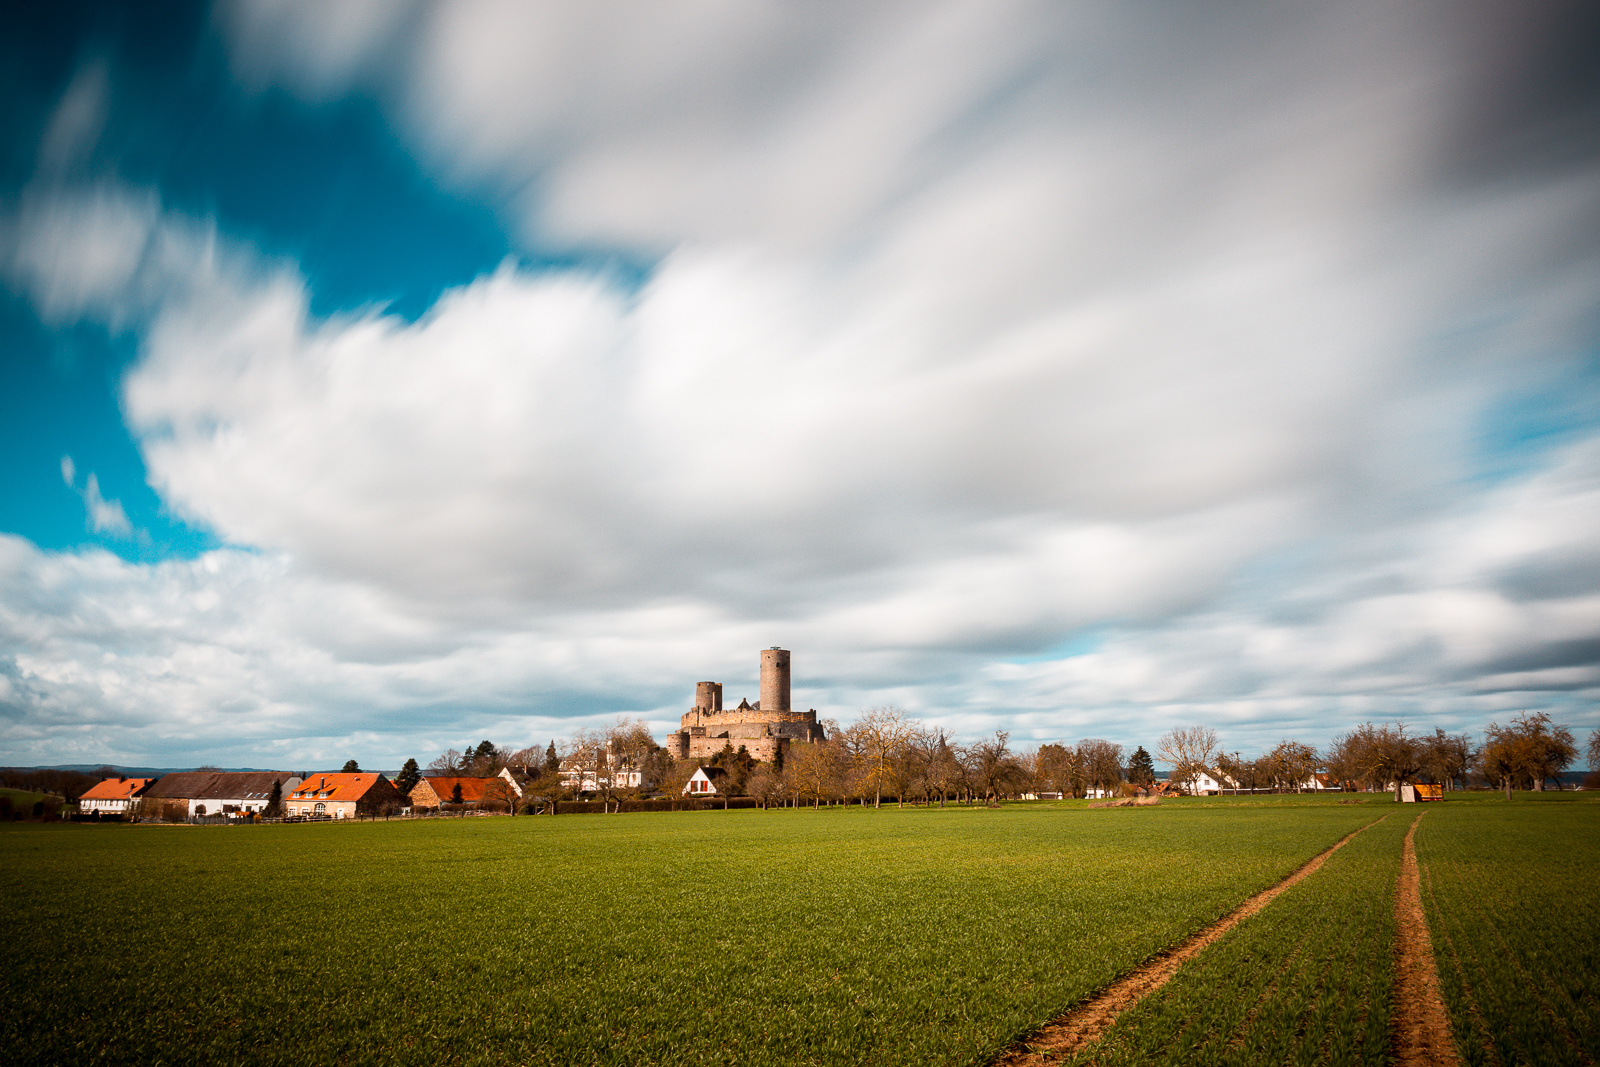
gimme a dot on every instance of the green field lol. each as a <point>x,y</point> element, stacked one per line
<point>1307,981</point>
<point>1512,894</point>
<point>24,799</point>
<point>742,937</point>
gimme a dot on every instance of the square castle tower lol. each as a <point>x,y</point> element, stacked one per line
<point>761,727</point>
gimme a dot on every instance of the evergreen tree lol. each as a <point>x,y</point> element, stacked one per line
<point>351,767</point>
<point>455,794</point>
<point>408,777</point>
<point>552,759</point>
<point>483,759</point>
<point>274,806</point>
<point>1141,770</point>
<point>777,757</point>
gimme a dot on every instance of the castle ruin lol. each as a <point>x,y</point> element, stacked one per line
<point>761,727</point>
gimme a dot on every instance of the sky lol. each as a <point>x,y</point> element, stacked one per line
<point>379,377</point>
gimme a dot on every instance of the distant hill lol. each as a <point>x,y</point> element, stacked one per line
<point>131,772</point>
<point>155,772</point>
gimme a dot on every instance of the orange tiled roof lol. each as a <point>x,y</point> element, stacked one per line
<point>471,788</point>
<point>116,788</point>
<point>336,787</point>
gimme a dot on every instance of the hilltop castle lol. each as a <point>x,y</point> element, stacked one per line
<point>760,727</point>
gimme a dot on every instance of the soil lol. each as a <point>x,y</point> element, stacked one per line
<point>1087,1022</point>
<point>1421,1025</point>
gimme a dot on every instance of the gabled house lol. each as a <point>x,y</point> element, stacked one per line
<point>587,775</point>
<point>434,790</point>
<point>703,783</point>
<point>1321,783</point>
<point>519,778</point>
<point>185,794</point>
<point>342,796</point>
<point>242,792</point>
<point>1209,783</point>
<point>113,796</point>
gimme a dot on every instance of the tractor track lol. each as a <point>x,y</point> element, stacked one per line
<point>1087,1022</point>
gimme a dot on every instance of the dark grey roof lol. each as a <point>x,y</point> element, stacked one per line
<point>217,785</point>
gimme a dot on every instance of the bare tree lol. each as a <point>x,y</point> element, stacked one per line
<point>1393,755</point>
<point>1447,758</point>
<point>813,768</point>
<point>1527,752</point>
<point>765,784</point>
<point>1102,764</point>
<point>1292,764</point>
<point>876,740</point>
<point>450,763</point>
<point>994,769</point>
<point>1051,766</point>
<point>945,772</point>
<point>497,793</point>
<point>1189,750</point>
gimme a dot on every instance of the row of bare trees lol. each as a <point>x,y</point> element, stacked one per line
<point>886,754</point>
<point>1526,753</point>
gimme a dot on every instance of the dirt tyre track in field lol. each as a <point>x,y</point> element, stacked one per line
<point>1087,1023</point>
<point>1421,1025</point>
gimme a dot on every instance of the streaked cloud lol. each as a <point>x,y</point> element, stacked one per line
<point>1072,369</point>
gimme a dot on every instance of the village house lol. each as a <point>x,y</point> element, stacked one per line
<point>703,783</point>
<point>1209,783</point>
<point>113,796</point>
<point>187,794</point>
<point>434,790</point>
<point>517,778</point>
<point>343,796</point>
<point>584,775</point>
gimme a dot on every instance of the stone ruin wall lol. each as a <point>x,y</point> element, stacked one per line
<point>738,717</point>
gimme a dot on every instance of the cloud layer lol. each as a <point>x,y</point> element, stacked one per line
<point>1064,369</point>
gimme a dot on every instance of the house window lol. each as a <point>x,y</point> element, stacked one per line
<point>321,809</point>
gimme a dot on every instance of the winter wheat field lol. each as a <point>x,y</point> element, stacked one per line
<point>917,936</point>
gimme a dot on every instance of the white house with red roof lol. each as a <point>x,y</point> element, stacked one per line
<point>113,796</point>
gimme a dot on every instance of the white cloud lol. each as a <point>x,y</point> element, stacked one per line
<point>971,328</point>
<point>105,516</point>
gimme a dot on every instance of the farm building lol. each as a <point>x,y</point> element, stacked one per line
<point>703,783</point>
<point>113,796</point>
<point>434,790</point>
<point>185,794</point>
<point>343,796</point>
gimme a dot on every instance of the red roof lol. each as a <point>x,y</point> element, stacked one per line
<point>116,789</point>
<point>346,788</point>
<point>471,788</point>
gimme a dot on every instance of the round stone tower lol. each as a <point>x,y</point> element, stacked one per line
<point>708,696</point>
<point>775,679</point>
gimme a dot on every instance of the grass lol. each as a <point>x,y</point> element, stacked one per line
<point>1513,902</point>
<point>914,937</point>
<point>24,799</point>
<point>1306,981</point>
